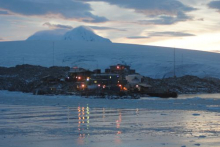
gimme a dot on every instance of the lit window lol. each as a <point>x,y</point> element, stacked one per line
<point>95,82</point>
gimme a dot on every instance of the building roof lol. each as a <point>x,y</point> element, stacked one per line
<point>110,74</point>
<point>144,85</point>
<point>78,70</point>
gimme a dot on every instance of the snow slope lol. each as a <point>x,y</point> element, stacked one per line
<point>155,62</point>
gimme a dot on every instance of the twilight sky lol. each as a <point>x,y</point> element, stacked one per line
<point>191,24</point>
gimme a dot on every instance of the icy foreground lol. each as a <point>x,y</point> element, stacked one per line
<point>155,62</point>
<point>54,121</point>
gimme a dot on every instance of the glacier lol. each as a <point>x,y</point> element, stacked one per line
<point>151,61</point>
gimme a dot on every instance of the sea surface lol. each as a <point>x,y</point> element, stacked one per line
<point>41,121</point>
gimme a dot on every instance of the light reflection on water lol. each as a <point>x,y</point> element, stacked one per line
<point>83,124</point>
<point>86,125</point>
<point>84,120</point>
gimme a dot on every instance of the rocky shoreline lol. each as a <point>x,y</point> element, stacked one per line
<point>28,78</point>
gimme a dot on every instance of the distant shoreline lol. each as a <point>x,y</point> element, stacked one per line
<point>25,78</point>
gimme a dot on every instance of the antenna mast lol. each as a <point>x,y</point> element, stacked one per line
<point>53,53</point>
<point>174,63</point>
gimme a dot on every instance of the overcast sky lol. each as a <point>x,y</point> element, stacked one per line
<point>191,24</point>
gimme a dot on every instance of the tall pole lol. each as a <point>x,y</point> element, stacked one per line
<point>174,63</point>
<point>53,53</point>
<point>182,59</point>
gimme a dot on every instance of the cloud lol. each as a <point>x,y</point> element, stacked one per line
<point>57,26</point>
<point>3,12</point>
<point>60,26</point>
<point>170,34</point>
<point>137,37</point>
<point>163,34</point>
<point>3,39</point>
<point>214,5</point>
<point>169,11</point>
<point>216,51</point>
<point>106,28</point>
<point>200,19</point>
<point>167,20</point>
<point>154,7</point>
<point>67,9</point>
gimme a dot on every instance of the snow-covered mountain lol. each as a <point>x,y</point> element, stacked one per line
<point>152,61</point>
<point>48,35</point>
<point>81,33</point>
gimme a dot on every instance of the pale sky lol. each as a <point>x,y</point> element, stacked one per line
<point>190,24</point>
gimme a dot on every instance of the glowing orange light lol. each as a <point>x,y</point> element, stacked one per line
<point>83,85</point>
<point>125,88</point>
<point>119,85</point>
<point>118,67</point>
<point>79,78</point>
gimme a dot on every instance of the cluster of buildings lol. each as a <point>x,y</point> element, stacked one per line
<point>115,78</point>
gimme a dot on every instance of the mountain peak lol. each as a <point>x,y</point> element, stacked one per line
<point>83,28</point>
<point>83,33</point>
